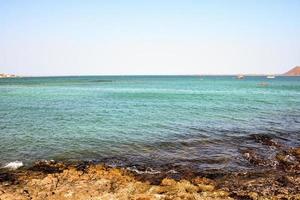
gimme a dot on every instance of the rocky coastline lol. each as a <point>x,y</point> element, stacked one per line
<point>50,180</point>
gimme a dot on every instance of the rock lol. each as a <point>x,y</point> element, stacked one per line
<point>143,198</point>
<point>203,187</point>
<point>202,180</point>
<point>97,182</point>
<point>48,167</point>
<point>253,195</point>
<point>168,182</point>
<point>187,186</point>
<point>8,178</point>
<point>286,161</point>
<point>265,140</point>
<point>296,152</point>
<point>254,158</point>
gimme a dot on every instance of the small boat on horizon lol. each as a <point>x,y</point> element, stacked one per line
<point>240,77</point>
<point>270,76</point>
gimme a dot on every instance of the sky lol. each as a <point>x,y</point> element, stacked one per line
<point>136,37</point>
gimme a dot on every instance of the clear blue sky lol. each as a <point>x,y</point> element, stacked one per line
<point>60,37</point>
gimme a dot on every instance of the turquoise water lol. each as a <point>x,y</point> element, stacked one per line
<point>201,122</point>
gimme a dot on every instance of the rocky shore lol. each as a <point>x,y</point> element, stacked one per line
<point>50,180</point>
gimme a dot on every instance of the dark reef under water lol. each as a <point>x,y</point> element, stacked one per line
<point>273,175</point>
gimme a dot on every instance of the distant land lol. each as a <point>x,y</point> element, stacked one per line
<point>7,76</point>
<point>293,72</point>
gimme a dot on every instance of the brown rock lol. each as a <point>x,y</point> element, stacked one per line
<point>296,152</point>
<point>203,187</point>
<point>293,72</point>
<point>98,182</point>
<point>168,182</point>
<point>202,180</point>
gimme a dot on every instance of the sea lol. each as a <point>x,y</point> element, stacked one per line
<point>148,123</point>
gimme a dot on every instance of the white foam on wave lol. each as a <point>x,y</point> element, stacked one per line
<point>14,165</point>
<point>147,171</point>
<point>172,171</point>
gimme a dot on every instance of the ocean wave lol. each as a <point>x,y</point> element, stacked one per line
<point>14,165</point>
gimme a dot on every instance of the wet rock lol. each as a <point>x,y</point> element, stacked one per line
<point>8,178</point>
<point>48,167</point>
<point>212,174</point>
<point>265,140</point>
<point>241,197</point>
<point>287,162</point>
<point>296,152</point>
<point>254,158</point>
<point>285,181</point>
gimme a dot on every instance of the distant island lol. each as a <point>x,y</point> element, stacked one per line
<point>7,76</point>
<point>293,72</point>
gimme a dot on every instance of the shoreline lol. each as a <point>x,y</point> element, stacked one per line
<point>274,176</point>
<point>88,180</point>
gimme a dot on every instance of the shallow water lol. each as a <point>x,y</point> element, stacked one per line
<point>162,122</point>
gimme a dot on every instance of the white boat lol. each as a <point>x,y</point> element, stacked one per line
<point>240,77</point>
<point>270,76</point>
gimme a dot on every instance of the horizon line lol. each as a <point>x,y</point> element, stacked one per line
<point>74,75</point>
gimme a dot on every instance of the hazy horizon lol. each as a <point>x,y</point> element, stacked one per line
<point>87,75</point>
<point>62,38</point>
